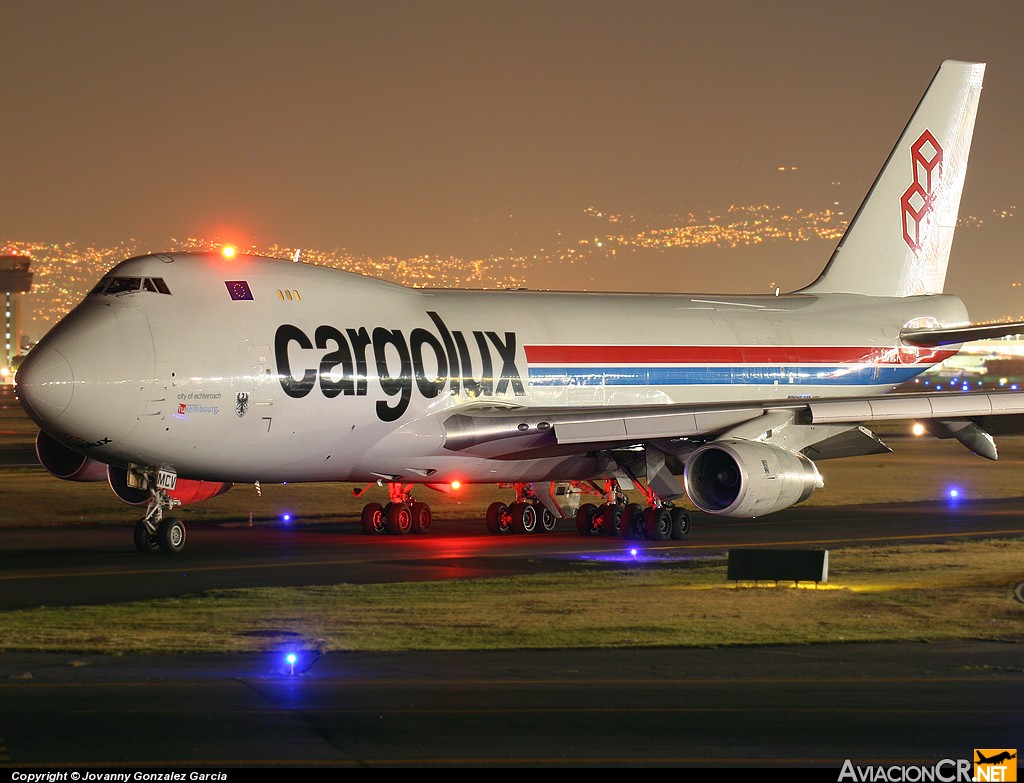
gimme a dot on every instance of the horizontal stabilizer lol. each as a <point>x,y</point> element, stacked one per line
<point>930,338</point>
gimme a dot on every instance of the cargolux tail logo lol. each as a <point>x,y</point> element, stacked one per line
<point>995,764</point>
<point>919,198</point>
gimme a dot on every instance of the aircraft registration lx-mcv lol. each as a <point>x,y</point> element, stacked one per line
<point>183,373</point>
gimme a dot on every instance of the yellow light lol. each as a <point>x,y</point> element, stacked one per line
<point>456,484</point>
<point>917,429</point>
<point>228,251</point>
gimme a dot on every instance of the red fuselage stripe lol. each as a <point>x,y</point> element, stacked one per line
<point>734,354</point>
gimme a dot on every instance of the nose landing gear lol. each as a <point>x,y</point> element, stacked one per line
<point>155,532</point>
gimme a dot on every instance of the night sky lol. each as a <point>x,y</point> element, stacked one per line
<point>486,128</point>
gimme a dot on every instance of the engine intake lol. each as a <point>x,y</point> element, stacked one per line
<point>746,479</point>
<point>64,463</point>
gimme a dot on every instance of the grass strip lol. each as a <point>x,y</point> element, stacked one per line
<point>961,590</point>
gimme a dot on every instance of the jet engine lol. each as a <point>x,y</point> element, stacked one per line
<point>187,491</point>
<point>64,463</point>
<point>742,478</point>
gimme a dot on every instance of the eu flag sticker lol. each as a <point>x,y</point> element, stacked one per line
<point>238,289</point>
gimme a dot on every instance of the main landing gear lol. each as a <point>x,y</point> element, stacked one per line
<point>525,515</point>
<point>400,516</point>
<point>155,532</point>
<point>617,516</point>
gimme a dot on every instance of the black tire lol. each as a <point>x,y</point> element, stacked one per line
<point>588,521</point>
<point>611,519</point>
<point>171,535</point>
<point>372,519</point>
<point>658,523</point>
<point>546,521</point>
<point>680,523</point>
<point>145,541</point>
<point>421,517</point>
<point>398,517</point>
<point>498,519</point>
<point>632,524</point>
<point>524,517</point>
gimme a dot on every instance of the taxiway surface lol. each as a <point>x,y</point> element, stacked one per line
<point>54,566</point>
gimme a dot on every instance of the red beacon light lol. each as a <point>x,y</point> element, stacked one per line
<point>228,251</point>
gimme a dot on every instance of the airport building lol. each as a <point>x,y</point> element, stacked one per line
<point>15,279</point>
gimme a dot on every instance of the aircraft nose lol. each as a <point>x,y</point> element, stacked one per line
<point>45,383</point>
<point>90,376</point>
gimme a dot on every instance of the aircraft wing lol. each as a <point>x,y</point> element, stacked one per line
<point>512,433</point>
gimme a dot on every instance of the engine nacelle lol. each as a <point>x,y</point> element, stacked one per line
<point>190,491</point>
<point>62,462</point>
<point>742,478</point>
<point>187,491</point>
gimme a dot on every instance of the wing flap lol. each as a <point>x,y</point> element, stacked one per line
<point>917,406</point>
<point>633,425</point>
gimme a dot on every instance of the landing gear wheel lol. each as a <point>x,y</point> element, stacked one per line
<point>611,519</point>
<point>171,535</point>
<point>399,518</point>
<point>632,524</point>
<point>588,521</point>
<point>680,523</point>
<point>658,522</point>
<point>372,520</point>
<point>498,518</point>
<point>421,517</point>
<point>524,517</point>
<point>545,520</point>
<point>145,541</point>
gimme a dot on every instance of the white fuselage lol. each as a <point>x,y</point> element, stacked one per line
<point>255,369</point>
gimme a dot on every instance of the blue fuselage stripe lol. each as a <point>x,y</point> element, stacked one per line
<point>813,375</point>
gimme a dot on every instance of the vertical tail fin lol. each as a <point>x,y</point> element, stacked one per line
<point>898,243</point>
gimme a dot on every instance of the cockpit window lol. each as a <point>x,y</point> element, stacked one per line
<point>111,286</point>
<point>122,285</point>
